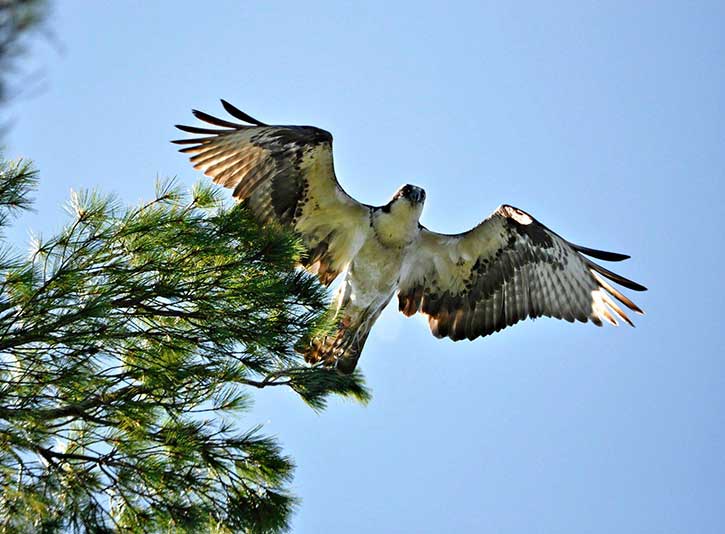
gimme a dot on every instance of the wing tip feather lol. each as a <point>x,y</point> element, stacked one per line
<point>216,121</point>
<point>621,280</point>
<point>599,254</point>
<point>239,114</point>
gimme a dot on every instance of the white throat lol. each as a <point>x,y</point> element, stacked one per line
<point>399,226</point>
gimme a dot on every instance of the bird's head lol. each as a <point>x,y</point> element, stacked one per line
<point>411,193</point>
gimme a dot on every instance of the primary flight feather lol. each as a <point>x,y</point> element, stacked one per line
<point>504,270</point>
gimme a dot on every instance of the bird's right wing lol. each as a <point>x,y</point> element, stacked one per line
<point>286,175</point>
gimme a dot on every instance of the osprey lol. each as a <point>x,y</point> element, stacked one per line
<point>472,284</point>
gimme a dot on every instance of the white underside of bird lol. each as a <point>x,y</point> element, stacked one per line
<point>370,280</point>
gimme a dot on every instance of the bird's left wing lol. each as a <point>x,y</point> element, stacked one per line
<point>286,176</point>
<point>506,269</point>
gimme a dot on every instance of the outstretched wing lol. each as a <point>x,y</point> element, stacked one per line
<point>506,269</point>
<point>286,175</point>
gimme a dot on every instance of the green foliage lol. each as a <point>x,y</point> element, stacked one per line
<point>129,345</point>
<point>18,20</point>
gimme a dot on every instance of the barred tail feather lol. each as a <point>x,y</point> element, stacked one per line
<point>341,349</point>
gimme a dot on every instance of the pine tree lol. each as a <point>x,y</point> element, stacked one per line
<point>129,345</point>
<point>19,20</point>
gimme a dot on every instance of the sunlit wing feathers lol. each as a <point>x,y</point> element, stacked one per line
<point>506,269</point>
<point>286,175</point>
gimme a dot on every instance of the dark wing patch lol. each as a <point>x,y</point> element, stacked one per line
<point>508,268</point>
<point>286,176</point>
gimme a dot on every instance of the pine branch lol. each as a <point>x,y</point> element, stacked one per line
<point>126,342</point>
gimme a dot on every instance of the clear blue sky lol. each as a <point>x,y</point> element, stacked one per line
<point>605,120</point>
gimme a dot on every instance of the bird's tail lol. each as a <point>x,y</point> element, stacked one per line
<point>342,347</point>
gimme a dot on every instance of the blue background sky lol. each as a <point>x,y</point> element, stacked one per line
<point>605,120</point>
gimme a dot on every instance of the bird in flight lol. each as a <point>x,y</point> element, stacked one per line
<point>472,284</point>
